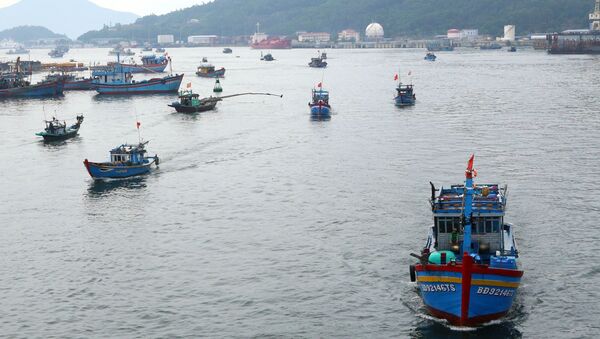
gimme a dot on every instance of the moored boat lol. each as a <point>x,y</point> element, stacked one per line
<point>58,52</point>
<point>512,49</point>
<point>430,57</point>
<point>18,50</point>
<point>150,64</point>
<point>56,130</point>
<point>160,50</point>
<point>405,95</point>
<point>319,105</point>
<point>266,57</point>
<point>71,82</point>
<point>125,161</point>
<point>15,84</point>
<point>317,62</point>
<point>209,71</point>
<point>490,46</point>
<point>468,271</point>
<point>190,102</point>
<point>115,80</point>
<point>227,50</point>
<point>121,51</point>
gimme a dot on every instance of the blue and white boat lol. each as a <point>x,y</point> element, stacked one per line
<point>150,64</point>
<point>468,272</point>
<point>15,84</point>
<point>319,105</point>
<point>115,80</point>
<point>125,161</point>
<point>56,130</point>
<point>405,95</point>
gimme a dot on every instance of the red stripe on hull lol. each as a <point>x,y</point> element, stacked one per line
<point>467,268</point>
<point>477,269</point>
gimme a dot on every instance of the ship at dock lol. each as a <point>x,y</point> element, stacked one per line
<point>263,41</point>
<point>577,41</point>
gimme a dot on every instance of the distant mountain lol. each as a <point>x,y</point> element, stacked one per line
<point>29,33</point>
<point>70,17</point>
<point>398,17</point>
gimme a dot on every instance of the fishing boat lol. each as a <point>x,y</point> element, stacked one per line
<point>323,56</point>
<point>147,49</point>
<point>160,50</point>
<point>15,84</point>
<point>490,46</point>
<point>204,59</point>
<point>263,41</point>
<point>319,105</point>
<point>56,130</point>
<point>468,272</point>
<point>190,102</point>
<point>58,52</point>
<point>208,71</point>
<point>125,161</point>
<point>71,81</point>
<point>266,57</point>
<point>317,62</point>
<point>405,95</point>
<point>512,49</point>
<point>227,50</point>
<point>121,51</point>
<point>114,80</point>
<point>430,57</point>
<point>18,50</point>
<point>150,64</point>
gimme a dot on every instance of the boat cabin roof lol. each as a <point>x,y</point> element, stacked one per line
<point>129,149</point>
<point>488,199</point>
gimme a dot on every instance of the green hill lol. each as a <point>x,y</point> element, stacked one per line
<point>29,33</point>
<point>398,17</point>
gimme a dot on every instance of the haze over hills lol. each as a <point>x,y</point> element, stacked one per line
<point>398,17</point>
<point>28,33</point>
<point>70,17</point>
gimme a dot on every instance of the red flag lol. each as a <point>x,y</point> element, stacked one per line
<point>138,124</point>
<point>320,84</point>
<point>471,173</point>
<point>189,85</point>
<point>395,77</point>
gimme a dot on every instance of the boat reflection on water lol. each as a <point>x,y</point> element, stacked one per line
<point>101,188</point>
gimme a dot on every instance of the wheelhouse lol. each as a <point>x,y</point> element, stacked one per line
<point>128,154</point>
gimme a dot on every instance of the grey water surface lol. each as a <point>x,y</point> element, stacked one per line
<point>263,223</point>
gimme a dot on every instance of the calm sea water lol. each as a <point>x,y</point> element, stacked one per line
<point>261,222</point>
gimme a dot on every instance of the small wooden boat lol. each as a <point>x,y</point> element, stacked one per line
<point>208,71</point>
<point>227,50</point>
<point>319,105</point>
<point>317,62</point>
<point>266,57</point>
<point>190,102</point>
<point>430,57</point>
<point>56,130</point>
<point>405,95</point>
<point>125,161</point>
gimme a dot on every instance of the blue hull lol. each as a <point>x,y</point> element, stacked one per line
<point>490,295</point>
<point>38,90</point>
<point>116,171</point>
<point>404,101</point>
<point>164,85</point>
<point>320,111</point>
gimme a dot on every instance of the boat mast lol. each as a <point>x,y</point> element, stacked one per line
<point>468,205</point>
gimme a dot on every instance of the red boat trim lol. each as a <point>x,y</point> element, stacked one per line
<point>476,268</point>
<point>87,167</point>
<point>466,286</point>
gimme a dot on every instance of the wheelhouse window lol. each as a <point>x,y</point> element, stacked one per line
<point>447,224</point>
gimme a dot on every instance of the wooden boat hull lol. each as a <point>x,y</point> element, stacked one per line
<point>53,88</point>
<point>116,171</point>
<point>467,294</point>
<point>165,85</point>
<point>216,74</point>
<point>194,109</point>
<point>80,85</point>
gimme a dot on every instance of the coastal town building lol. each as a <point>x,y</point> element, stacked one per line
<point>165,39</point>
<point>349,35</point>
<point>314,37</point>
<point>202,39</point>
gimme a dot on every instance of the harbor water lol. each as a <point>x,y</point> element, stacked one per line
<point>262,223</point>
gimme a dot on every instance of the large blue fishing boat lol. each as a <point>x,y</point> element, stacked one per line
<point>125,161</point>
<point>115,80</point>
<point>405,95</point>
<point>319,105</point>
<point>468,272</point>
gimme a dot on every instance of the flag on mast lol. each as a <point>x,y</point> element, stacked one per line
<point>396,77</point>
<point>320,84</point>
<point>138,124</point>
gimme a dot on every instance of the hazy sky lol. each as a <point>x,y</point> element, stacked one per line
<point>140,7</point>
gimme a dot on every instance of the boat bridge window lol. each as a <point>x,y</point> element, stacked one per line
<point>486,225</point>
<point>447,224</point>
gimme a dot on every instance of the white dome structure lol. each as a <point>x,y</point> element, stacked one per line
<point>374,31</point>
